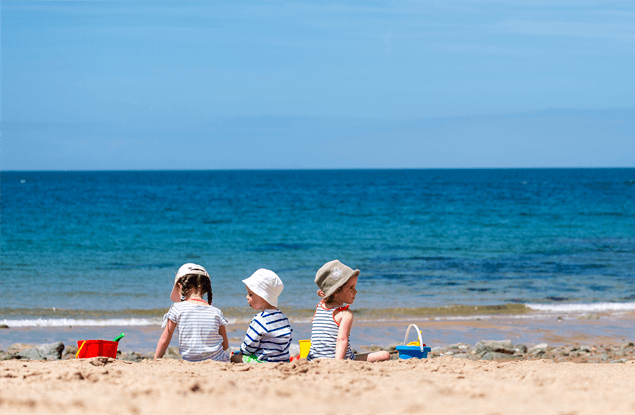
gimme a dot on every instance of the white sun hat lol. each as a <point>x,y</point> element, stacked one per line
<point>266,285</point>
<point>186,269</point>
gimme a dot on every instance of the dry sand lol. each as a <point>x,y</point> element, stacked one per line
<point>441,385</point>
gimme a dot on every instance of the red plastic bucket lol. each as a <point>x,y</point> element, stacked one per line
<point>94,348</point>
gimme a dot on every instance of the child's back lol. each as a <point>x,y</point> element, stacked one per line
<point>198,326</point>
<point>324,333</point>
<point>268,337</point>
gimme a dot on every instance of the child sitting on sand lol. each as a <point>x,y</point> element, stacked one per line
<point>268,337</point>
<point>332,321</point>
<point>201,326</point>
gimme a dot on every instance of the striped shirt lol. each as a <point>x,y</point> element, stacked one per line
<point>324,331</point>
<point>198,325</point>
<point>268,337</point>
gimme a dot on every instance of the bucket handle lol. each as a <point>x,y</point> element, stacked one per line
<point>80,349</point>
<point>405,339</point>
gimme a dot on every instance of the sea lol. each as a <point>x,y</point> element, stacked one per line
<point>101,248</point>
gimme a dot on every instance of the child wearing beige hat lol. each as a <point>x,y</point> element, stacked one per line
<point>332,321</point>
<point>268,337</point>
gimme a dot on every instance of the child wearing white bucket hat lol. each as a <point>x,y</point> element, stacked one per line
<point>332,321</point>
<point>268,337</point>
<point>201,326</point>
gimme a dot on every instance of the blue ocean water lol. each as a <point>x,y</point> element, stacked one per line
<point>103,247</point>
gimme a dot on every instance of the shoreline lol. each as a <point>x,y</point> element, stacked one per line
<point>438,332</point>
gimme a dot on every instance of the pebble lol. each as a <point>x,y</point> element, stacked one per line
<point>48,351</point>
<point>494,346</point>
<point>483,350</point>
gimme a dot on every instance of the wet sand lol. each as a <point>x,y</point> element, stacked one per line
<point>554,330</point>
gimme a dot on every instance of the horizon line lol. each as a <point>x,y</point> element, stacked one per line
<point>316,169</point>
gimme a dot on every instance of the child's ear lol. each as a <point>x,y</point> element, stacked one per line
<point>320,293</point>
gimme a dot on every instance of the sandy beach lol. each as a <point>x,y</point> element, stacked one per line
<point>440,385</point>
<point>574,366</point>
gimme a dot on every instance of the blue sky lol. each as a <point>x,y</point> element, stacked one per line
<point>264,84</point>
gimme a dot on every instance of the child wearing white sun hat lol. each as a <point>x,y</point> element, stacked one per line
<point>268,337</point>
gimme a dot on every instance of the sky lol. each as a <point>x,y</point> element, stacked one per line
<point>161,85</point>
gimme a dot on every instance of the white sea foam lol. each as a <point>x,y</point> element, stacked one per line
<point>584,308</point>
<point>65,322</point>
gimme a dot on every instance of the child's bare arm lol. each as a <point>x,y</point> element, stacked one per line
<point>223,332</point>
<point>345,318</point>
<point>164,341</point>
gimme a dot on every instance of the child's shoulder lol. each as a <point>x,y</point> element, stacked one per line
<point>186,305</point>
<point>271,316</point>
<point>342,313</point>
<point>335,308</point>
<point>211,309</point>
<point>269,313</point>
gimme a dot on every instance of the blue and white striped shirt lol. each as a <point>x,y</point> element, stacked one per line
<point>198,326</point>
<point>268,337</point>
<point>324,332</point>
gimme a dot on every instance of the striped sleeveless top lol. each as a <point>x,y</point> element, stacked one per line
<point>324,331</point>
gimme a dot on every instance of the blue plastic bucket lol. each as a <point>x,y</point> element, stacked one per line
<point>407,352</point>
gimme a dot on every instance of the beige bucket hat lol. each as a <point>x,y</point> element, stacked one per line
<point>333,275</point>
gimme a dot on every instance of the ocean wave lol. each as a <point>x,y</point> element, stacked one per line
<point>583,308</point>
<point>78,314</point>
<point>96,318</point>
<point>69,322</point>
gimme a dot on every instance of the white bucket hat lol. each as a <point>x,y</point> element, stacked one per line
<point>186,269</point>
<point>266,285</point>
